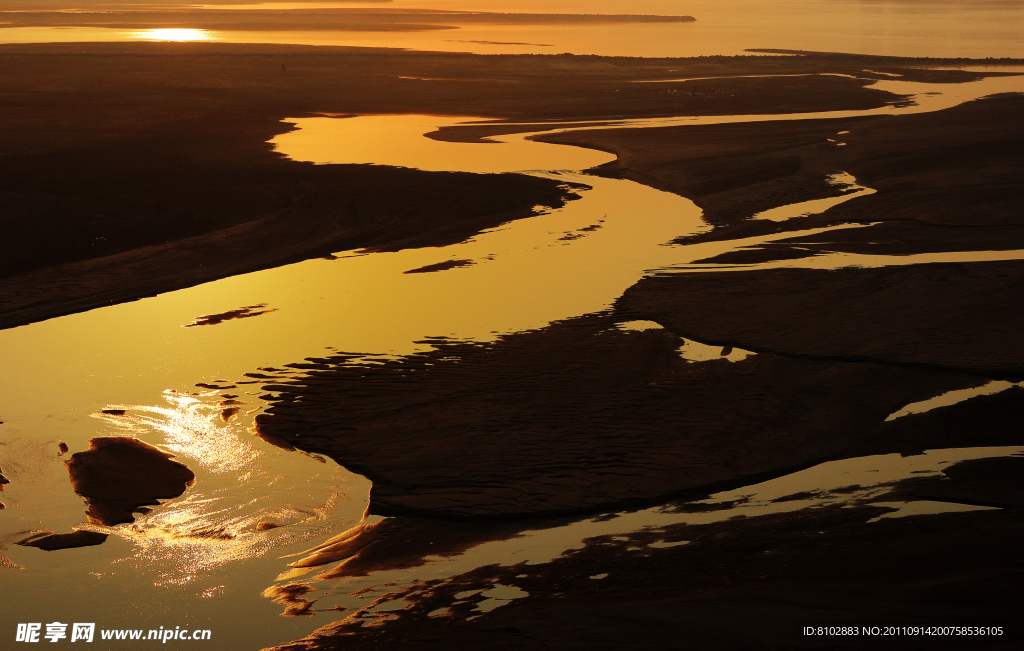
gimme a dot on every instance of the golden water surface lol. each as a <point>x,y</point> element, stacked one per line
<point>59,375</point>
<point>937,28</point>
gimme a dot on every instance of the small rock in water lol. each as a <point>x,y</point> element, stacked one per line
<point>50,541</point>
<point>114,412</point>
<point>266,525</point>
<point>229,413</point>
<point>116,475</point>
<point>63,447</point>
<point>240,313</point>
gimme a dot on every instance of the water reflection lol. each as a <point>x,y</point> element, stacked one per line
<point>723,27</point>
<point>216,522</point>
<point>190,428</point>
<point>184,541</point>
<point>954,397</point>
<point>523,275</point>
<point>830,261</point>
<point>213,545</point>
<point>397,140</point>
<point>857,481</point>
<point>123,358</point>
<point>179,35</point>
<point>695,351</point>
<point>842,180</point>
<point>690,350</point>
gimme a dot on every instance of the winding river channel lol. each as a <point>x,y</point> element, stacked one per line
<point>137,362</point>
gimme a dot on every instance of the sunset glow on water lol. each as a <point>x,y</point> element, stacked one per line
<point>723,27</point>
<point>422,334</point>
<point>176,35</point>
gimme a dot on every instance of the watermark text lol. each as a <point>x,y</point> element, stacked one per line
<point>86,632</point>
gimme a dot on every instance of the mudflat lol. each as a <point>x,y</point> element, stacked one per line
<point>745,583</point>
<point>948,181</point>
<point>945,180</point>
<point>581,416</point>
<point>520,447</point>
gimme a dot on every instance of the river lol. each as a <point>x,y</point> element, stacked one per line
<point>138,358</point>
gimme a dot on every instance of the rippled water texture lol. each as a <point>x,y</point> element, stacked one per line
<point>938,28</point>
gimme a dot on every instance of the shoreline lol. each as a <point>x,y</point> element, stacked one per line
<point>751,583</point>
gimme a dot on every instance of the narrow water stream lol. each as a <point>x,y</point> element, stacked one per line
<point>138,362</point>
<point>859,480</point>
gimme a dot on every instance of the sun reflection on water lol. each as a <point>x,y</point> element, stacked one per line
<point>246,500</point>
<point>187,539</point>
<point>179,35</point>
<point>190,428</point>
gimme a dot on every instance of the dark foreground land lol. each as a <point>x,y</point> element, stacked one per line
<point>123,159</point>
<point>753,583</point>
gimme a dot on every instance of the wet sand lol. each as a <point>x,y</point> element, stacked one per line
<point>945,181</point>
<point>738,585</point>
<point>891,315</point>
<point>933,172</point>
<point>579,416</point>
